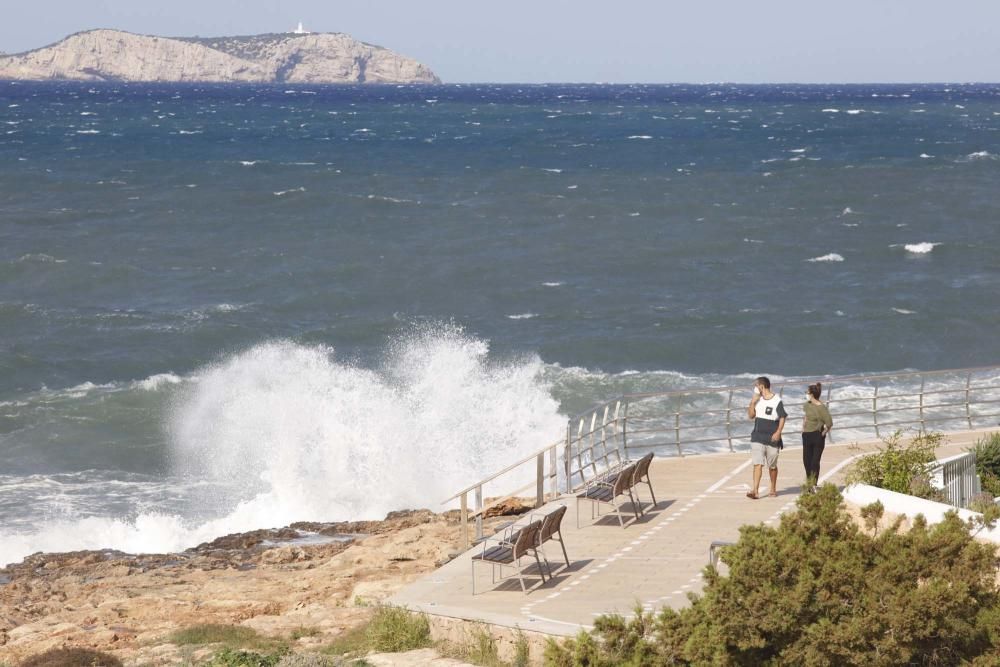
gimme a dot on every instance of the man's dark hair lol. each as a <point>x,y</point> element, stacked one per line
<point>764,381</point>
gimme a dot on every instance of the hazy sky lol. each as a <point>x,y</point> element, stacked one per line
<point>589,40</point>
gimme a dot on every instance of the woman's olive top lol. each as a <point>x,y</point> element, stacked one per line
<point>816,417</point>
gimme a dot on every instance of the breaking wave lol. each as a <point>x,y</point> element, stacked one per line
<point>295,433</point>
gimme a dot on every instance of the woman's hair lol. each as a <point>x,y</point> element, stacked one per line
<point>816,390</point>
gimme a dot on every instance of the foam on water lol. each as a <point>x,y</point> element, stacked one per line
<point>300,435</point>
<point>920,248</point>
<point>831,257</point>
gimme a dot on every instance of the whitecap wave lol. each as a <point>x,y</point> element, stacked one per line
<point>157,381</point>
<point>640,136</point>
<point>522,316</point>
<point>904,311</point>
<point>282,193</point>
<point>920,248</point>
<point>554,283</point>
<point>831,257</point>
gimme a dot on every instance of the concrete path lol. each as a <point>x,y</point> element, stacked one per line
<point>654,561</point>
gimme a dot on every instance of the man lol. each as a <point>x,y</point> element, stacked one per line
<point>768,415</point>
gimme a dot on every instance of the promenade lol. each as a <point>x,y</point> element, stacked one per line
<point>654,561</point>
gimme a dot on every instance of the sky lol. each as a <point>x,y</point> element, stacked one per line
<point>624,41</point>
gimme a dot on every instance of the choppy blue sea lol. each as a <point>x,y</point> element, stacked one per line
<point>225,308</point>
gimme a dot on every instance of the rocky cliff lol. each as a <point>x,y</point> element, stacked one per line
<point>114,55</point>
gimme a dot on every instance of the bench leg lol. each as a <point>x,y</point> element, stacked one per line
<point>650,485</point>
<point>563,545</point>
<point>541,570</point>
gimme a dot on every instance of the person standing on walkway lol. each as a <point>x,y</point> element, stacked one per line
<point>768,415</point>
<point>816,423</point>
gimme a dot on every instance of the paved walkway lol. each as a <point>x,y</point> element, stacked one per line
<point>654,561</point>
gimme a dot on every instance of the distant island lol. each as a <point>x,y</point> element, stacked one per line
<point>292,57</point>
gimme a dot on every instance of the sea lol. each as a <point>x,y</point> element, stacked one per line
<point>225,308</point>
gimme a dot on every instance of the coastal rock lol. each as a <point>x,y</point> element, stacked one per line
<point>274,581</point>
<point>115,55</point>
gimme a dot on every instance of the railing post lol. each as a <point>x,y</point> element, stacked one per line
<point>554,476</point>
<point>875,411</point>
<point>625,427</point>
<point>604,433</point>
<point>479,512</point>
<point>567,455</point>
<point>729,421</point>
<point>677,427</point>
<point>593,434</point>
<point>540,481</point>
<point>464,514</point>
<point>968,410</point>
<point>923,423</point>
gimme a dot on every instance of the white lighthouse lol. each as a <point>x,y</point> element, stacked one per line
<point>300,30</point>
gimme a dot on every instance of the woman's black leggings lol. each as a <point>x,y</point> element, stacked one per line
<point>812,451</point>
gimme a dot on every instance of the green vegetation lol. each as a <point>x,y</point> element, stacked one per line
<point>390,630</point>
<point>299,633</point>
<point>821,590</point>
<point>217,633</point>
<point>480,648</point>
<point>241,646</point>
<point>900,467</point>
<point>353,642</point>
<point>987,451</point>
<point>72,657</point>
<point>228,657</point>
<point>522,650</point>
<point>394,629</point>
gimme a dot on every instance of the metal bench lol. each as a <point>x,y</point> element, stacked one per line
<point>508,551</point>
<point>604,491</point>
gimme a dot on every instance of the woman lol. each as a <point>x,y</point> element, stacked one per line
<point>816,423</point>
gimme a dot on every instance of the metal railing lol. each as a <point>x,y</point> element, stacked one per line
<point>864,407</point>
<point>546,470</point>
<point>683,422</point>
<point>956,476</point>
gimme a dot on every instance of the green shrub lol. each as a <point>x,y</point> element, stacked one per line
<point>353,642</point>
<point>819,590</point>
<point>215,633</point>
<point>394,629</point>
<point>903,468</point>
<point>987,450</point>
<point>299,633</point>
<point>230,636</point>
<point>228,657</point>
<point>522,650</point>
<point>482,648</point>
<point>72,657</point>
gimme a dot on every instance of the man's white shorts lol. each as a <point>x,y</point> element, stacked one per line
<point>764,455</point>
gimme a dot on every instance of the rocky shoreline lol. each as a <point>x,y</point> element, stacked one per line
<point>308,582</point>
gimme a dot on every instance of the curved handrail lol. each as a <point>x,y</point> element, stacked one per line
<point>506,470</point>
